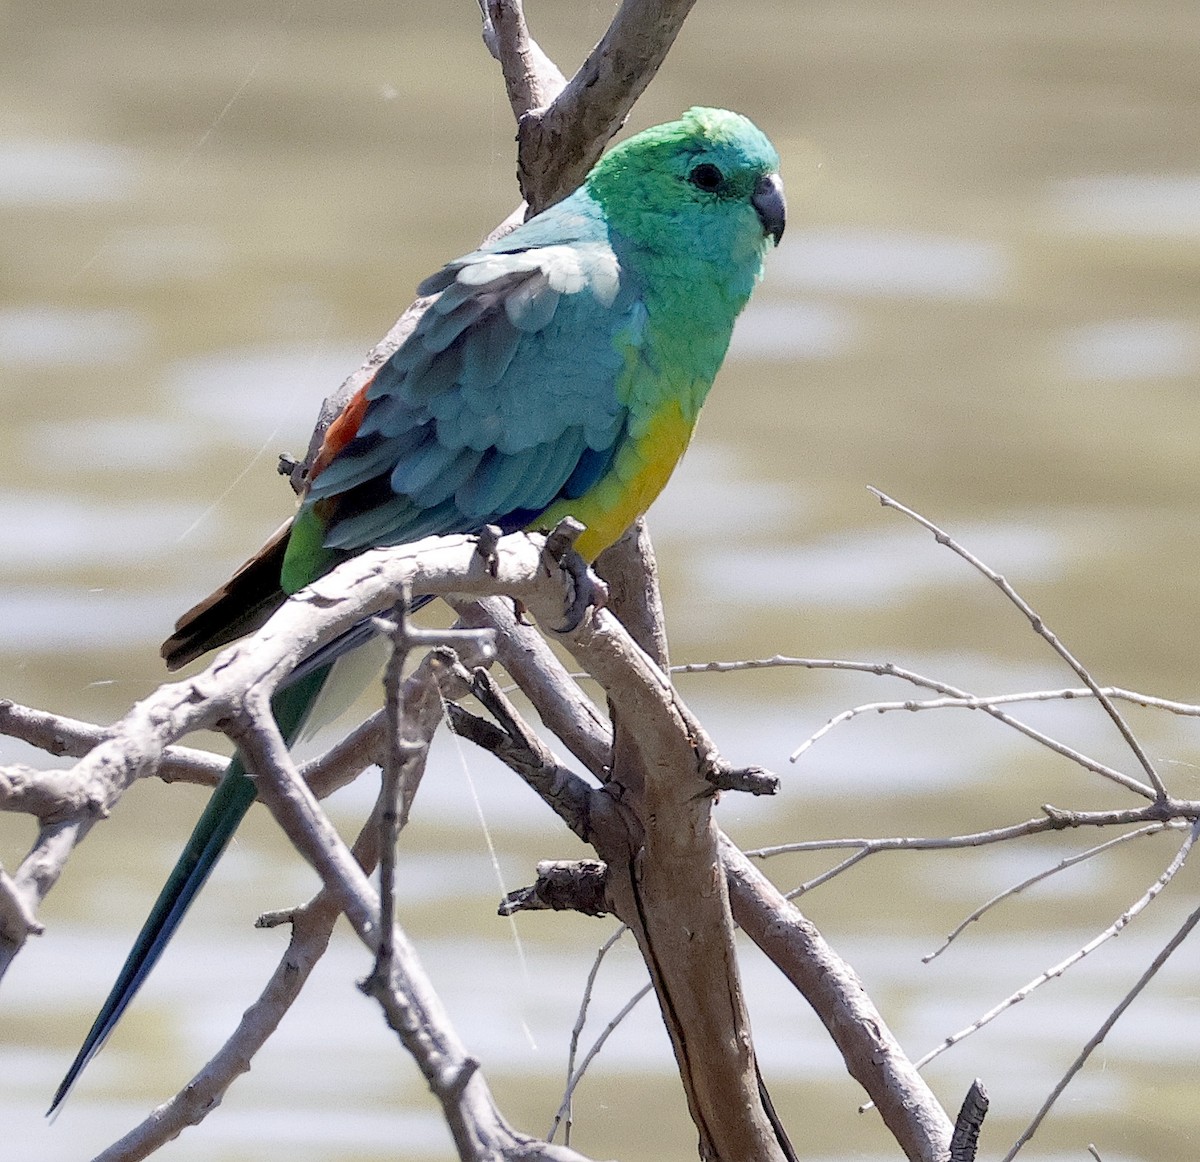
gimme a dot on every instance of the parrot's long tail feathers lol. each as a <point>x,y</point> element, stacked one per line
<point>226,809</point>
<point>239,607</point>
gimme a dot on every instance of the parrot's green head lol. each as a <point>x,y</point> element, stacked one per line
<point>706,186</point>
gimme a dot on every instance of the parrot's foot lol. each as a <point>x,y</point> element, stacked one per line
<point>590,590</point>
<point>486,542</point>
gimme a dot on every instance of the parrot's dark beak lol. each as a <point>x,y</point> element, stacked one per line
<point>770,204</point>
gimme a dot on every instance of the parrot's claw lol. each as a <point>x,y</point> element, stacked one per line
<point>589,590</point>
<point>486,542</point>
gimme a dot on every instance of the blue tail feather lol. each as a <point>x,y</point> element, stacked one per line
<point>215,827</point>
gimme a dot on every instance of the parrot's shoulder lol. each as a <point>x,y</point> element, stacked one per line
<point>563,251</point>
<point>577,218</point>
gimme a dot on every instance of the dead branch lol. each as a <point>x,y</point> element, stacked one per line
<point>965,1143</point>
<point>558,144</point>
<point>1044,874</point>
<point>563,1116</point>
<point>1042,630</point>
<point>530,76</point>
<point>252,669</point>
<point>872,1055</point>
<point>960,699</point>
<point>575,885</point>
<point>411,1007</point>
<point>1114,929</point>
<point>312,925</point>
<point>1164,955</point>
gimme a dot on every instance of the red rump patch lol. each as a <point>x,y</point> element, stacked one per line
<point>342,430</point>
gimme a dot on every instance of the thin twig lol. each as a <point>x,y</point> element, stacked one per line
<point>399,754</point>
<point>969,702</point>
<point>1102,1032</point>
<point>1052,973</point>
<point>1037,877</point>
<point>1041,629</point>
<point>1055,819</point>
<point>577,1076</point>
<point>886,669</point>
<point>827,875</point>
<point>563,1116</point>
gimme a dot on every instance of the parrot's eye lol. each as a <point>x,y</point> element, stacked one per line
<point>706,177</point>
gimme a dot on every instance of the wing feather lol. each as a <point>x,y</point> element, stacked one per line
<point>504,398</point>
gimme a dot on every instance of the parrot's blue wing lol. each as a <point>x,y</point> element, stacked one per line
<point>503,399</point>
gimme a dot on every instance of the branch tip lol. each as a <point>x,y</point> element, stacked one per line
<point>577,885</point>
<point>964,1145</point>
<point>752,780</point>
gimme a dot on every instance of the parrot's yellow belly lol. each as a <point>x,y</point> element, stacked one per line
<point>637,475</point>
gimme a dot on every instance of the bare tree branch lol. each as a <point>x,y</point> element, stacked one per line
<point>58,735</point>
<point>564,1110</point>
<point>559,144</point>
<point>1037,877</point>
<point>670,891</point>
<point>1041,629</point>
<point>576,1075</point>
<point>564,709</point>
<point>960,699</point>
<point>569,796</point>
<point>872,1055</point>
<point>561,133</point>
<point>530,76</point>
<point>312,926</point>
<point>1114,929</point>
<point>364,586</point>
<point>954,699</point>
<point>411,1007</point>
<point>965,1143</point>
<point>1164,955</point>
<point>17,920</point>
<point>888,669</point>
<point>631,571</point>
<point>1055,819</point>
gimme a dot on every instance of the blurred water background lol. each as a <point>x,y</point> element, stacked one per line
<point>987,304</point>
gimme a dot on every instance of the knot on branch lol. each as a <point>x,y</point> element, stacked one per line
<point>575,885</point>
<point>752,780</point>
<point>1059,819</point>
